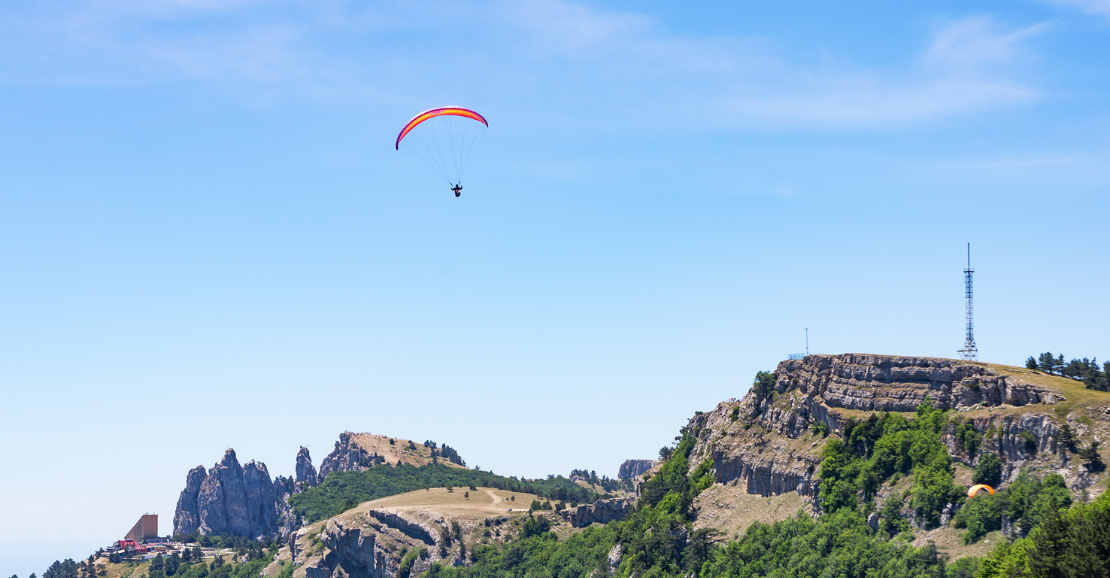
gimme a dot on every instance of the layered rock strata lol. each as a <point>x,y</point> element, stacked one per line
<point>895,383</point>
<point>767,443</point>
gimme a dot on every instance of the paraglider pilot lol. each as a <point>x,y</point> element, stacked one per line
<point>457,189</point>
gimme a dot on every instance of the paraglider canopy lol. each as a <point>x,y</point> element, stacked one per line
<point>443,138</point>
<point>977,487</point>
<point>429,114</point>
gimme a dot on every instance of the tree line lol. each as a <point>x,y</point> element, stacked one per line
<point>447,452</point>
<point>1086,370</point>
<point>189,563</point>
<point>659,540</point>
<point>342,491</point>
<point>608,484</point>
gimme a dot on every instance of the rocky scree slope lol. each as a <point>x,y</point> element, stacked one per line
<point>766,445</point>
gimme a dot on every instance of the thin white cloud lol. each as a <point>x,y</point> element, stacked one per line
<point>577,60</point>
<point>1093,7</point>
<point>967,65</point>
<point>977,41</point>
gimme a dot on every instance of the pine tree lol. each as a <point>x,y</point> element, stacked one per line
<point>1046,362</point>
<point>1052,544</point>
<point>1090,456</point>
<point>989,470</point>
<point>1067,437</point>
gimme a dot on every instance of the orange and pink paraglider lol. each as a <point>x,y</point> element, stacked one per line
<point>971,492</point>
<point>443,137</point>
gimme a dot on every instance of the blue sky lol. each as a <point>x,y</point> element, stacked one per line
<point>207,239</point>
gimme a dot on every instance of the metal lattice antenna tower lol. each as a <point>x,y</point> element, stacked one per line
<point>969,351</point>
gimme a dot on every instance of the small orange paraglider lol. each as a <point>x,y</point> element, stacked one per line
<point>977,487</point>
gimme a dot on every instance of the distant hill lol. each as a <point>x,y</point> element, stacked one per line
<point>830,465</point>
<point>243,501</point>
<point>345,490</point>
<point>767,449</point>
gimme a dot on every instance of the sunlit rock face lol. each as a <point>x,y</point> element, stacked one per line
<point>305,471</point>
<point>768,445</point>
<point>228,499</point>
<point>346,457</point>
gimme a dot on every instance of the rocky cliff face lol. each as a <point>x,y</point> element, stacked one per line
<point>228,498</point>
<point>894,383</point>
<point>367,543</point>
<point>766,445</point>
<point>186,519</point>
<point>601,511</point>
<point>632,468</point>
<point>754,456</point>
<point>347,456</point>
<point>306,472</point>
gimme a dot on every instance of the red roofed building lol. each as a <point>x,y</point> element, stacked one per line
<point>131,546</point>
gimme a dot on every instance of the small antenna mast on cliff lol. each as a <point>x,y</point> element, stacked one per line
<point>807,341</point>
<point>969,352</point>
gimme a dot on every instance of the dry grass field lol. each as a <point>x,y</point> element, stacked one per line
<point>459,504</point>
<point>400,450</point>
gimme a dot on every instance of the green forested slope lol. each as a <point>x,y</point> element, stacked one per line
<point>344,490</point>
<point>658,539</point>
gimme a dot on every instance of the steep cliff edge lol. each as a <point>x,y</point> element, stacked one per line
<point>766,445</point>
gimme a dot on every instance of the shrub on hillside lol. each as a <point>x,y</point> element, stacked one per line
<point>988,471</point>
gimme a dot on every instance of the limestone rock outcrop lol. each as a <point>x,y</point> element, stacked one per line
<point>601,511</point>
<point>368,544</point>
<point>186,518</point>
<point>228,499</point>
<point>769,445</point>
<point>767,464</point>
<point>306,472</point>
<point>632,468</point>
<point>357,551</point>
<point>896,383</point>
<point>412,528</point>
<point>347,456</point>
